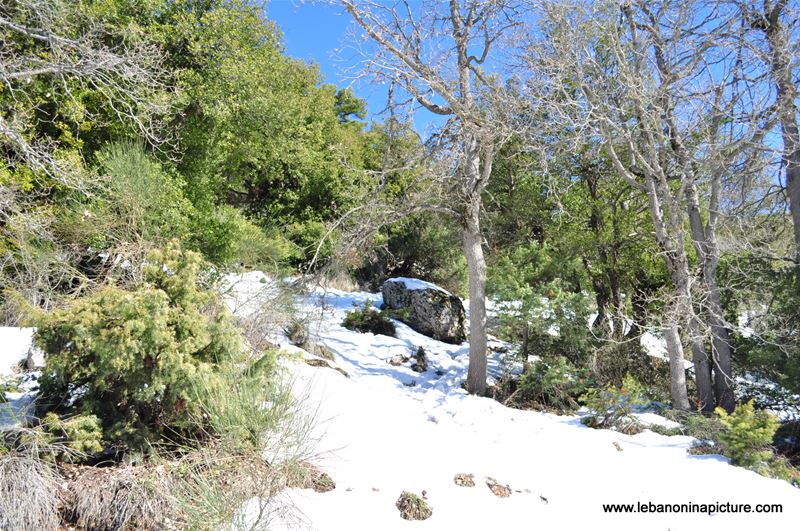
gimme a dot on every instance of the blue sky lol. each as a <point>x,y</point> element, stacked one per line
<point>314,32</point>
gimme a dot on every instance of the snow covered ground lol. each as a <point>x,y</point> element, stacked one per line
<point>386,428</point>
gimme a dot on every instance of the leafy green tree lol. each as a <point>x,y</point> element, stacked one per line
<point>258,130</point>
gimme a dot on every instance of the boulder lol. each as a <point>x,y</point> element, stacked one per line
<point>425,307</point>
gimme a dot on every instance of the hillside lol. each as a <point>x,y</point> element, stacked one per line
<point>385,429</point>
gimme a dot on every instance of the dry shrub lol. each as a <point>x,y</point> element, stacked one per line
<point>209,487</point>
<point>339,280</point>
<point>118,498</point>
<point>264,312</point>
<point>29,492</point>
<point>257,330</point>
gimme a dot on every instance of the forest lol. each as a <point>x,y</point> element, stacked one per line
<point>593,179</point>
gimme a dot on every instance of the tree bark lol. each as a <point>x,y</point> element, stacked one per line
<point>669,235</point>
<point>677,372</point>
<point>702,366</point>
<point>476,270</point>
<point>705,243</point>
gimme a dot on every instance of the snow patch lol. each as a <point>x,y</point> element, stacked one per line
<point>417,284</point>
<point>17,345</point>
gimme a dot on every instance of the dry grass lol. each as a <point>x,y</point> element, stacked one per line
<point>340,280</point>
<point>213,490</point>
<point>464,480</point>
<point>307,476</point>
<point>124,497</point>
<point>260,440</point>
<point>29,492</point>
<point>501,491</point>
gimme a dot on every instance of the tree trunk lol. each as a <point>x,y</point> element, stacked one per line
<point>677,372</point>
<point>702,367</point>
<point>781,66</point>
<point>723,370</point>
<point>705,243</point>
<point>640,295</point>
<point>476,270</point>
<point>669,234</point>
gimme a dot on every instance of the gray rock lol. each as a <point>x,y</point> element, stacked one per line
<point>426,308</point>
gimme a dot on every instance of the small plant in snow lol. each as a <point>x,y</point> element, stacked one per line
<point>613,407</point>
<point>412,507</point>
<point>368,319</point>
<point>464,480</point>
<point>555,384</point>
<point>747,441</point>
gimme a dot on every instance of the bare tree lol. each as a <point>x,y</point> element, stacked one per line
<point>779,22</point>
<point>660,84</point>
<point>43,40</point>
<point>439,54</point>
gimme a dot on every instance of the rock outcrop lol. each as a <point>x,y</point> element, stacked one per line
<point>425,307</point>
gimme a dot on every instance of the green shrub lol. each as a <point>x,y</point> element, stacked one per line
<point>613,407</point>
<point>226,237</point>
<point>261,436</point>
<point>539,303</point>
<point>133,358</point>
<point>138,202</point>
<point>747,439</point>
<point>614,360</point>
<point>556,384</point>
<point>703,427</point>
<point>241,407</point>
<point>422,246</point>
<point>748,435</point>
<point>82,433</point>
<point>368,319</point>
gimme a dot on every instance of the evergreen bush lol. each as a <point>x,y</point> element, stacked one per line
<point>613,407</point>
<point>748,435</point>
<point>368,319</point>
<point>556,384</point>
<point>133,358</point>
<point>539,305</point>
<point>81,435</point>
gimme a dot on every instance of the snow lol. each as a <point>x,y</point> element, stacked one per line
<point>249,291</point>
<point>386,429</point>
<point>656,347</point>
<point>417,284</point>
<point>15,345</point>
<point>18,408</point>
